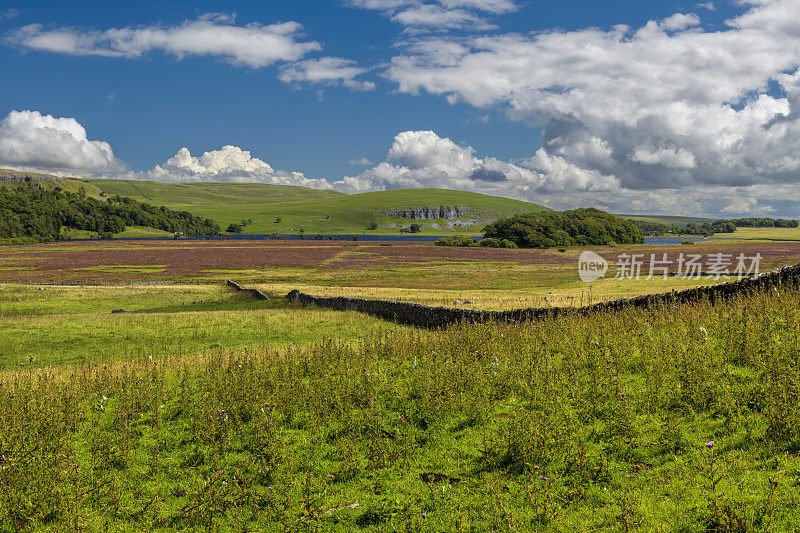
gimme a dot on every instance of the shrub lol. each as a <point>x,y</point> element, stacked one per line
<point>455,240</point>
<point>415,228</point>
<point>491,242</point>
<point>234,228</point>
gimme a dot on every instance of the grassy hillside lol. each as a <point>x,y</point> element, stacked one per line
<point>311,210</point>
<point>209,195</point>
<point>669,220</point>
<point>47,181</point>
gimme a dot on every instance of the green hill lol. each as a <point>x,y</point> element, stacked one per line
<point>46,181</point>
<point>207,196</point>
<point>315,211</point>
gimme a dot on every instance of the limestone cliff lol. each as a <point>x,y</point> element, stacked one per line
<point>429,213</point>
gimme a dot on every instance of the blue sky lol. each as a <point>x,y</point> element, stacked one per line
<point>520,99</point>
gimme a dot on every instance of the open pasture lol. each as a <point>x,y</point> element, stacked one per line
<point>56,325</point>
<point>670,419</point>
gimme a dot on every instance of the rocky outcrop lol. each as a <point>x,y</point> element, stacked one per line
<point>429,213</point>
<point>21,175</point>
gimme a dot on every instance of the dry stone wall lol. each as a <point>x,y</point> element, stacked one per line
<point>255,293</point>
<point>436,317</point>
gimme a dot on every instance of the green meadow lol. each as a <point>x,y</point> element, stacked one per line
<point>198,409</point>
<point>44,326</point>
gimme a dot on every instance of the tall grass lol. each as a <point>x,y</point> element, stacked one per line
<point>602,422</point>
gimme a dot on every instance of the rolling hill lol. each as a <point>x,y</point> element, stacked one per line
<point>315,211</point>
<point>301,209</point>
<point>291,209</point>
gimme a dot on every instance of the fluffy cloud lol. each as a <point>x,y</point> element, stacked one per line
<point>32,141</point>
<point>253,45</point>
<point>664,107</point>
<point>327,71</point>
<point>423,159</point>
<point>747,205</point>
<point>419,16</point>
<point>229,163</point>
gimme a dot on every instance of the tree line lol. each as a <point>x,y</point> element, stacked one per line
<point>34,214</point>
<point>706,229</point>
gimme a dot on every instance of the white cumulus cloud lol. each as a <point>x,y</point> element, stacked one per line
<point>57,145</point>
<point>228,164</point>
<point>666,107</point>
<point>424,159</point>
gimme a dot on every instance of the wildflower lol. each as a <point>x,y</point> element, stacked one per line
<point>536,467</point>
<point>424,515</point>
<point>269,488</point>
<point>330,476</point>
<point>543,478</point>
<point>710,444</point>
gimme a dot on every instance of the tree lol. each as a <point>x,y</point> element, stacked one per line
<point>553,228</point>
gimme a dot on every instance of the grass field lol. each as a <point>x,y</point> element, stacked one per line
<point>198,408</point>
<point>310,210</point>
<point>74,325</point>
<point>673,419</point>
<point>762,234</point>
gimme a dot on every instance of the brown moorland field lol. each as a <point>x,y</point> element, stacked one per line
<point>144,261</point>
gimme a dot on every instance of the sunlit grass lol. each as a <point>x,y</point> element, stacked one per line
<point>582,423</point>
<point>761,234</point>
<point>55,325</point>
